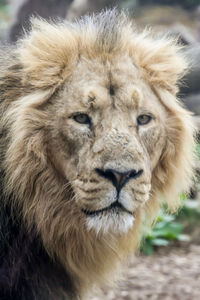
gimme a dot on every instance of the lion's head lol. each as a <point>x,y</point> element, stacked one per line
<point>96,138</point>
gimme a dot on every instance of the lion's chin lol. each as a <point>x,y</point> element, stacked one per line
<point>110,222</point>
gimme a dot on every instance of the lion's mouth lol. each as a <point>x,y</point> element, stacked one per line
<point>115,207</point>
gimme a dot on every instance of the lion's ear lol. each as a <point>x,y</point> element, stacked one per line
<point>47,53</point>
<point>160,59</point>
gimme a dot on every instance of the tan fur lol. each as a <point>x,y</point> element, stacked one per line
<point>50,159</point>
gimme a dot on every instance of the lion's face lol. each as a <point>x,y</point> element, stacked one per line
<point>108,135</point>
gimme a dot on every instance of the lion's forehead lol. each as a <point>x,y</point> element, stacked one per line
<point>103,84</point>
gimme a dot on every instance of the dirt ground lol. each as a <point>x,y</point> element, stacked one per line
<point>173,275</point>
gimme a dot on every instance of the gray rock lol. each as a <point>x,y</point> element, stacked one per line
<point>192,102</point>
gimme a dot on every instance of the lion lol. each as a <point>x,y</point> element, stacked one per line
<point>93,139</point>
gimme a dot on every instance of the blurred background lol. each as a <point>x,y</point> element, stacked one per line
<point>168,265</point>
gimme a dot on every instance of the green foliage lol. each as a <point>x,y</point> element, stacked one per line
<point>166,229</point>
<point>171,228</point>
<point>189,215</point>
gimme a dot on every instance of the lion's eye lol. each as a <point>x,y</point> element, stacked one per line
<point>82,118</point>
<point>144,119</point>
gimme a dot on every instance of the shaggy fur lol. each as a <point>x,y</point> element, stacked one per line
<point>58,235</point>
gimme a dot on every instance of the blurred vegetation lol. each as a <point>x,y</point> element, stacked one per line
<point>188,4</point>
<point>172,228</point>
<point>4,18</point>
<point>184,3</point>
<point>3,2</point>
<point>198,150</point>
<point>4,10</point>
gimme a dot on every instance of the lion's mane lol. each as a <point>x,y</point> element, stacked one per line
<point>46,251</point>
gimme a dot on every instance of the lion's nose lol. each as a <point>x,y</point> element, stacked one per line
<point>119,179</point>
